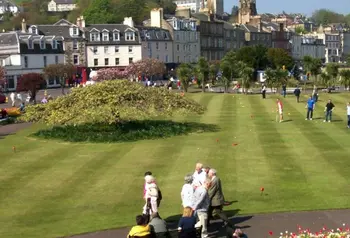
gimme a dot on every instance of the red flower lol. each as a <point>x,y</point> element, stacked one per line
<point>262,189</point>
<point>270,233</point>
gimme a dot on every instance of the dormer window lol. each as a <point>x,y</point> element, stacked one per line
<point>94,36</point>
<point>74,31</point>
<point>33,30</point>
<point>105,36</point>
<point>129,36</point>
<point>116,36</point>
<point>30,44</point>
<point>54,44</point>
<point>42,44</point>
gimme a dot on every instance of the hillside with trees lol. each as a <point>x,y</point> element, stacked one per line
<point>95,11</point>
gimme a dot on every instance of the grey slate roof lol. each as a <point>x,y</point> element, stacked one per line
<point>60,28</point>
<point>64,1</point>
<point>110,28</point>
<point>13,38</point>
<point>154,34</point>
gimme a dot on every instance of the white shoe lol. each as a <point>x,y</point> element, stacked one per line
<point>324,121</point>
<point>310,119</point>
<point>306,119</point>
<point>329,121</point>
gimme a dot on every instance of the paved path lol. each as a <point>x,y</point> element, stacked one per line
<point>259,226</point>
<point>12,128</point>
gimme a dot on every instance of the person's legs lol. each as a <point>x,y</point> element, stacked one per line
<point>298,99</point>
<point>308,114</point>
<point>203,219</point>
<point>219,212</point>
<point>210,215</point>
<point>154,205</point>
<point>330,116</point>
<point>311,113</point>
<point>348,121</point>
<point>326,116</point>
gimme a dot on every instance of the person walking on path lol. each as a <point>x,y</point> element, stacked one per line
<point>217,199</point>
<point>280,110</point>
<point>310,105</point>
<point>348,110</point>
<point>297,93</point>
<point>263,91</point>
<point>328,110</point>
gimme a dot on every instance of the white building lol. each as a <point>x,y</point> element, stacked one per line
<point>307,46</point>
<point>61,5</point>
<point>112,45</point>
<point>196,5</point>
<point>8,6</point>
<point>186,40</point>
<point>22,52</point>
<point>157,44</point>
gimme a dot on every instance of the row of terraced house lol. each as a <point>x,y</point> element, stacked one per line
<point>173,39</point>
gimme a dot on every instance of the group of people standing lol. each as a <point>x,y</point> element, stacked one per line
<point>202,198</point>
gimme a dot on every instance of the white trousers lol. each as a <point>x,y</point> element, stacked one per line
<point>154,205</point>
<point>203,218</point>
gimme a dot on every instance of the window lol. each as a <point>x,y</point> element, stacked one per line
<point>184,47</point>
<point>166,45</point>
<point>95,62</point>
<point>25,61</point>
<point>116,61</point>
<point>178,59</point>
<point>116,36</point>
<point>105,36</point>
<point>157,57</point>
<point>129,36</point>
<point>10,81</point>
<point>130,49</point>
<point>75,59</point>
<point>54,44</point>
<point>56,59</point>
<point>33,30</point>
<point>95,37</point>
<point>106,61</point>
<point>130,60</point>
<point>30,44</point>
<point>157,45</point>
<point>75,31</point>
<point>178,47</point>
<point>42,44</point>
<point>116,49</point>
<point>166,59</point>
<point>45,61</point>
<point>106,49</point>
<point>94,49</point>
<point>75,44</point>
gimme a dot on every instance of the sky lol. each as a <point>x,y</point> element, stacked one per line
<point>295,6</point>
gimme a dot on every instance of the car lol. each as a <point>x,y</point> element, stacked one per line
<point>2,98</point>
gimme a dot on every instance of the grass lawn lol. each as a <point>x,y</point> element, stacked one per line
<point>51,189</point>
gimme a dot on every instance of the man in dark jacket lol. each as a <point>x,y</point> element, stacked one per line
<point>216,197</point>
<point>297,93</point>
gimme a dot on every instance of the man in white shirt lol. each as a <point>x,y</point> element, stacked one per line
<point>201,204</point>
<point>199,176</point>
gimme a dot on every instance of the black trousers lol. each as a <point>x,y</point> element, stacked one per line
<point>263,94</point>
<point>219,212</point>
<point>298,98</point>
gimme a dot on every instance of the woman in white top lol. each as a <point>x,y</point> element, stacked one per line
<point>187,192</point>
<point>348,111</point>
<point>151,195</point>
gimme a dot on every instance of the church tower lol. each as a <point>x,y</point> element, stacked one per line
<point>247,9</point>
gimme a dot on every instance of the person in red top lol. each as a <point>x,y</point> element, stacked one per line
<point>280,109</point>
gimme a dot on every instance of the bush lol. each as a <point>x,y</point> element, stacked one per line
<point>123,132</point>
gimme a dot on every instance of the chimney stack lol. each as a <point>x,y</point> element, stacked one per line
<point>281,27</point>
<point>82,22</point>
<point>78,21</point>
<point>24,26</point>
<point>157,17</point>
<point>128,21</point>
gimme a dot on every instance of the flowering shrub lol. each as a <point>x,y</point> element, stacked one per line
<point>343,232</point>
<point>110,73</point>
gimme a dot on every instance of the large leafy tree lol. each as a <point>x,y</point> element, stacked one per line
<point>213,71</point>
<point>326,80</point>
<point>60,71</point>
<point>229,69</point>
<point>185,73</point>
<point>246,76</point>
<point>111,102</point>
<point>275,78</point>
<point>31,82</point>
<point>254,56</point>
<point>325,16</point>
<point>332,70</point>
<point>2,75</point>
<point>110,74</point>
<point>203,71</point>
<point>312,66</point>
<point>101,12</point>
<point>279,57</point>
<point>345,78</point>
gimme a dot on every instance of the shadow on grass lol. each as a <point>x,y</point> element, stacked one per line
<point>124,132</point>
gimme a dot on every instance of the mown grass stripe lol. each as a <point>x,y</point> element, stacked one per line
<point>287,172</point>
